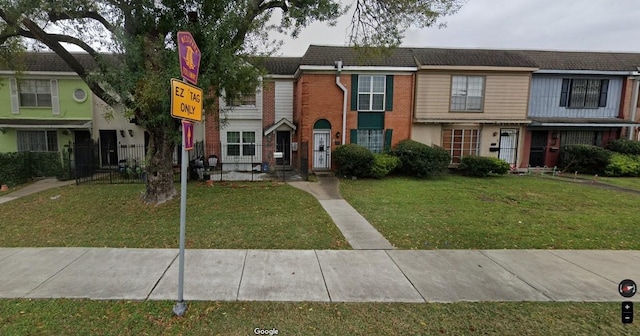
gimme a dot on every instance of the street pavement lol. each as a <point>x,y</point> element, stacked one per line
<point>318,275</point>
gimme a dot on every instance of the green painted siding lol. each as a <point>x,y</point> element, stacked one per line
<point>8,141</point>
<point>69,108</point>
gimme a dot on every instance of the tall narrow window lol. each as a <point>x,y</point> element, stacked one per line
<point>371,91</point>
<point>467,93</point>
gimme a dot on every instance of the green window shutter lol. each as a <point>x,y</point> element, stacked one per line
<point>388,106</point>
<point>387,139</point>
<point>353,137</point>
<point>354,92</point>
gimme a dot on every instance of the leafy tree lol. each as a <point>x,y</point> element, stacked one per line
<point>133,47</point>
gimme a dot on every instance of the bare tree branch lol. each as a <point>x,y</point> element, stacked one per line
<point>57,16</point>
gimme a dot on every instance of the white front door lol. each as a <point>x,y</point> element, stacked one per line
<point>321,149</point>
<point>509,145</point>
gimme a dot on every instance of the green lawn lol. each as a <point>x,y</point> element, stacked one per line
<point>511,212</point>
<point>626,182</point>
<point>82,317</point>
<point>259,215</point>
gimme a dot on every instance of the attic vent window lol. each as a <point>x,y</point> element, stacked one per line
<point>80,95</point>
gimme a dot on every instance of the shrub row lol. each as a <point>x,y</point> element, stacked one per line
<point>620,158</point>
<point>17,168</point>
<point>481,166</point>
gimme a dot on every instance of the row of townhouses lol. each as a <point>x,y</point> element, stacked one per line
<point>519,105</point>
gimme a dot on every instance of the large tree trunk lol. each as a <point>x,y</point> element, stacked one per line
<point>160,186</point>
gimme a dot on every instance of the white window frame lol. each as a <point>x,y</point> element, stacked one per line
<point>369,90</point>
<point>460,90</point>
<point>240,100</point>
<point>23,85</point>
<point>242,144</point>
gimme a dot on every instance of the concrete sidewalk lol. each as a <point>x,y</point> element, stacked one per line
<point>323,275</point>
<point>360,234</point>
<point>38,186</point>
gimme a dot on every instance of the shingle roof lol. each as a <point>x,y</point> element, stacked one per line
<point>327,55</point>
<point>584,60</point>
<point>48,61</point>
<point>472,57</point>
<point>280,65</point>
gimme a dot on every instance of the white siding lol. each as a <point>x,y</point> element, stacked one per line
<point>284,100</point>
<point>242,112</point>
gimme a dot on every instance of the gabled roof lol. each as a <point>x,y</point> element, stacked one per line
<point>283,121</point>
<point>281,65</point>
<point>51,62</point>
<point>583,60</point>
<point>327,55</point>
<point>472,57</point>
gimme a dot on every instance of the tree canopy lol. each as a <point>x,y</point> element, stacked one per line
<point>133,44</point>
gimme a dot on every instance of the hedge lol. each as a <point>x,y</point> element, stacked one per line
<point>482,166</point>
<point>18,168</point>
<point>383,164</point>
<point>585,159</point>
<point>623,165</point>
<point>420,160</point>
<point>624,146</point>
<point>353,160</point>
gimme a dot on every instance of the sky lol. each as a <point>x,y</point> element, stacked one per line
<point>579,25</point>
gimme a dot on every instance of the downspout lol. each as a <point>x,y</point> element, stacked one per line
<point>344,102</point>
<point>634,107</point>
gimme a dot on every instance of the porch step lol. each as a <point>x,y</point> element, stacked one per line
<point>325,174</point>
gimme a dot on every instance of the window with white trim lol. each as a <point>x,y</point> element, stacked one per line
<point>37,141</point>
<point>461,142</point>
<point>242,99</point>
<point>467,93</point>
<point>241,143</point>
<point>35,93</point>
<point>372,139</point>
<point>371,91</point>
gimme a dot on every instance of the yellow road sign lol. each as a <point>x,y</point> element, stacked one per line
<point>186,101</point>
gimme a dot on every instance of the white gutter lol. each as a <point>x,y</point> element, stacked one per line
<point>360,68</point>
<point>344,102</point>
<point>585,72</point>
<point>634,107</point>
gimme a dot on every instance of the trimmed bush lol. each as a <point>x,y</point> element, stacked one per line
<point>18,167</point>
<point>624,146</point>
<point>353,160</point>
<point>482,166</point>
<point>383,164</point>
<point>623,165</point>
<point>420,160</point>
<point>584,159</point>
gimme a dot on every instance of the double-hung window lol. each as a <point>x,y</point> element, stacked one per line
<point>242,99</point>
<point>467,93</point>
<point>461,142</point>
<point>371,90</point>
<point>241,143</point>
<point>35,93</point>
<point>37,141</point>
<point>371,139</point>
<point>584,93</point>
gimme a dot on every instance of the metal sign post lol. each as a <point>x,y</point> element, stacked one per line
<point>186,103</point>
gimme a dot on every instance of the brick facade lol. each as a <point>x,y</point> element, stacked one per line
<point>268,119</point>
<point>321,98</point>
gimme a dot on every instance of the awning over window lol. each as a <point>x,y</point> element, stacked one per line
<point>45,123</point>
<point>581,122</point>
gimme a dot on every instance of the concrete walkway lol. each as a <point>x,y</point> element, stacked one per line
<point>38,186</point>
<point>356,229</point>
<point>324,275</point>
